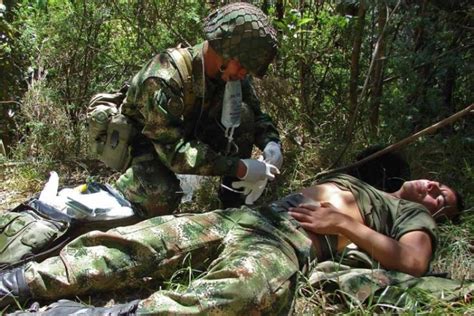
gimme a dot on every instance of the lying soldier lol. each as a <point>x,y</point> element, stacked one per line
<point>252,257</point>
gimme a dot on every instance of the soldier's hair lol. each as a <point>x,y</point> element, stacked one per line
<point>386,172</point>
<point>456,218</point>
<point>460,207</point>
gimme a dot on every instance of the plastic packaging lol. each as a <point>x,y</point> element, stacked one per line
<point>232,104</point>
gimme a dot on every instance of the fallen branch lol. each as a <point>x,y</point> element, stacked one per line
<point>10,101</point>
<point>13,164</point>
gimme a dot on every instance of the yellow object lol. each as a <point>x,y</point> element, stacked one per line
<point>81,188</point>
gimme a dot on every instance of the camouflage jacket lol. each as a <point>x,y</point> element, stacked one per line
<point>155,102</point>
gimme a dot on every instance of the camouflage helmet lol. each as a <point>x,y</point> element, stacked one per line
<point>242,31</point>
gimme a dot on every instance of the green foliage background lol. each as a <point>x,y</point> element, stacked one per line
<point>328,102</point>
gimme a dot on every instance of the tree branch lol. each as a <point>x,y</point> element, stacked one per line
<point>429,130</point>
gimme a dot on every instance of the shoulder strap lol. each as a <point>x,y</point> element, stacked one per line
<point>183,61</point>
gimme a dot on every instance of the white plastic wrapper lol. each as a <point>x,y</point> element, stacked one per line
<point>189,183</point>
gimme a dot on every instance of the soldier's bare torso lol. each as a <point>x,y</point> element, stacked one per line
<point>343,200</point>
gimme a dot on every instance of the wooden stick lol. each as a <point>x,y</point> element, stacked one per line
<point>405,141</point>
<point>2,149</point>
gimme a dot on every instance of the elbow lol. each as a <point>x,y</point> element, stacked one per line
<point>418,268</point>
<point>169,158</point>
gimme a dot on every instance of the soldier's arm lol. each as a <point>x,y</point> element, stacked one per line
<point>162,110</point>
<point>265,130</point>
<point>410,254</point>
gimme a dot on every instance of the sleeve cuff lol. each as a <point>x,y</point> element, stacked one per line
<point>226,166</point>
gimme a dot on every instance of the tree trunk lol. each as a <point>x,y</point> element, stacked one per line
<point>448,89</point>
<point>280,10</point>
<point>10,75</point>
<point>451,75</point>
<point>377,75</point>
<point>265,5</point>
<point>355,58</point>
<point>304,72</point>
<point>5,123</point>
<point>424,72</point>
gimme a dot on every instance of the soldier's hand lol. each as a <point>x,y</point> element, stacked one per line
<point>257,170</point>
<point>320,219</point>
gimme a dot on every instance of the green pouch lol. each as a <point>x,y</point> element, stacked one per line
<point>110,132</point>
<point>116,150</point>
<point>98,121</point>
<point>30,229</point>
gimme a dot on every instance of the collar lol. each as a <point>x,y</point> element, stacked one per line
<point>199,76</point>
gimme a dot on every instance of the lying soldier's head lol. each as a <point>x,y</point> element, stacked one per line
<point>442,201</point>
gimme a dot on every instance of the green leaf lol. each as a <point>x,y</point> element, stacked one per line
<point>305,21</point>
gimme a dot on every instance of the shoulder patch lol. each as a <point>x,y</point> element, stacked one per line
<point>168,103</point>
<point>159,67</point>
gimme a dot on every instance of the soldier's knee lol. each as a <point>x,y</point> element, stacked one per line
<point>161,204</point>
<point>152,189</point>
<point>149,202</point>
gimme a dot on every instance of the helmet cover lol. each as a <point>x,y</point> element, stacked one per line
<point>241,30</point>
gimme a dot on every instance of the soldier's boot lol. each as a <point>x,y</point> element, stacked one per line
<point>13,286</point>
<point>67,307</point>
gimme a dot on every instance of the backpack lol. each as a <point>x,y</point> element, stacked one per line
<point>111,132</point>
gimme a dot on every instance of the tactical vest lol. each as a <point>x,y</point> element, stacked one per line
<point>111,132</point>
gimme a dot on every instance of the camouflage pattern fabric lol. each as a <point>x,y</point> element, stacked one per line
<point>151,187</point>
<point>251,260</point>
<point>242,31</point>
<point>185,140</point>
<point>24,234</point>
<point>356,286</point>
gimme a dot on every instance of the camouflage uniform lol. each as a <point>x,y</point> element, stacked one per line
<point>177,138</point>
<point>253,259</point>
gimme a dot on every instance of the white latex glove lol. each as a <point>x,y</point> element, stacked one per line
<point>272,154</point>
<point>252,190</point>
<point>258,170</point>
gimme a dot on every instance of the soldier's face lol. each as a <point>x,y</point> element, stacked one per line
<point>438,198</point>
<point>233,70</point>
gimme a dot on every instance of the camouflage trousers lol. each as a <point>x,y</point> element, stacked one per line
<point>251,261</point>
<point>150,186</point>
